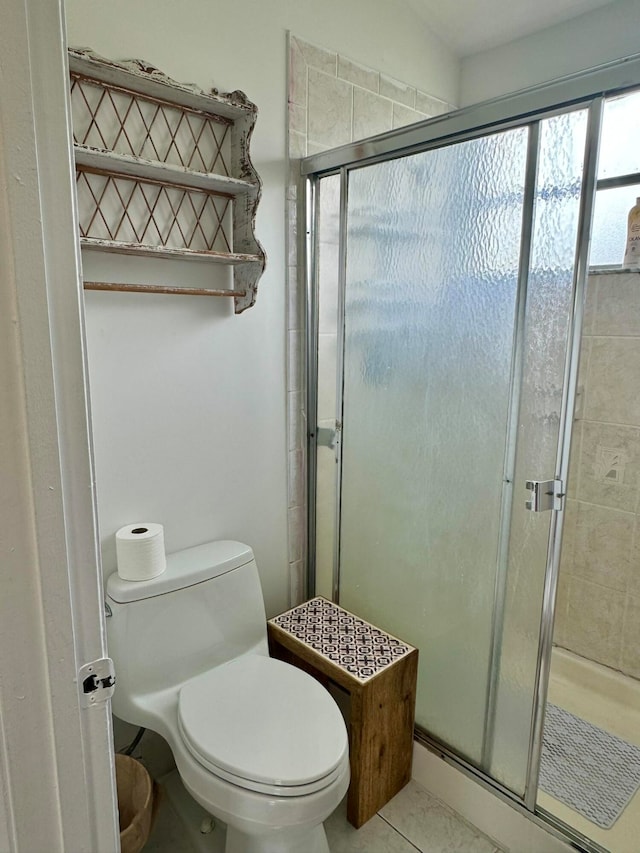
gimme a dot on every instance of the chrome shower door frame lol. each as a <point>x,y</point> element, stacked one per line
<point>530,107</point>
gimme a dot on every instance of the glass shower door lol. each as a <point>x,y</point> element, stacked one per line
<point>457,299</point>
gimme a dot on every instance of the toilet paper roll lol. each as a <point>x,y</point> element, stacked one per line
<point>140,551</point>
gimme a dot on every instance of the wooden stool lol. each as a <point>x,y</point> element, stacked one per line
<point>379,672</point>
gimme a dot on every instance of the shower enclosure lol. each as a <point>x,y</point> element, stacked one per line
<point>446,271</point>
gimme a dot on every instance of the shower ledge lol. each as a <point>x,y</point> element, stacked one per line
<point>604,270</point>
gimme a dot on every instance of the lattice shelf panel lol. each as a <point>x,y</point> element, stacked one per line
<point>153,214</point>
<point>163,169</point>
<point>114,119</point>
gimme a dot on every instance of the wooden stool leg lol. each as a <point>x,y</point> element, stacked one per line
<point>381,738</point>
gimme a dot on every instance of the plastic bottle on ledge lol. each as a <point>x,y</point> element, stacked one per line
<point>632,253</point>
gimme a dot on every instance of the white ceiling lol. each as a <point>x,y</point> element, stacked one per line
<point>469,26</point>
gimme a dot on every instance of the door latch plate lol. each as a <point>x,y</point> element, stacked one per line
<point>327,437</point>
<point>96,682</point>
<point>545,495</point>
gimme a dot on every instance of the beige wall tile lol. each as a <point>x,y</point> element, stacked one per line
<point>630,662</point>
<point>568,537</point>
<point>607,448</point>
<point>294,361</point>
<point>594,622</point>
<point>297,118</point>
<point>294,318</point>
<point>431,106</point>
<point>297,530</point>
<point>319,57</point>
<point>398,91</point>
<point>297,583</point>
<point>618,309</point>
<point>574,459</point>
<point>583,372</point>
<point>371,114</point>
<point>612,381</point>
<point>292,237</point>
<point>634,572</point>
<point>402,116</point>
<point>294,417</point>
<point>297,145</point>
<point>330,108</point>
<point>315,148</point>
<point>297,74</point>
<point>294,180</point>
<point>603,539</point>
<point>606,550</point>
<point>360,75</point>
<point>590,300</point>
<point>562,604</point>
<point>296,478</point>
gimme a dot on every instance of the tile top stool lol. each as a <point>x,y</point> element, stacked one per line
<point>379,672</point>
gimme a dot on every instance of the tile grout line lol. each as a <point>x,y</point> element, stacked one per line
<point>460,818</point>
<point>401,834</point>
<point>604,506</point>
<point>619,424</point>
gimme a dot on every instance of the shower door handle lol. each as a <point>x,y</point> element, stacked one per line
<point>545,495</point>
<point>326,437</point>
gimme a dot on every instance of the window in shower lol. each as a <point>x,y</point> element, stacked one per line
<point>618,179</point>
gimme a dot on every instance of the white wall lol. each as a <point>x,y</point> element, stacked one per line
<point>589,40</point>
<point>189,400</point>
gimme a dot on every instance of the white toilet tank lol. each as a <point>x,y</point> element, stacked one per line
<point>205,609</point>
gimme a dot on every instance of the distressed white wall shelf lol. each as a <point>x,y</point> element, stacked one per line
<point>163,170</point>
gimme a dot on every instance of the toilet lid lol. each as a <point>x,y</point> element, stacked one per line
<point>259,720</point>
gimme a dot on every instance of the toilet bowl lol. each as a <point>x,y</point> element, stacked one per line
<point>258,743</point>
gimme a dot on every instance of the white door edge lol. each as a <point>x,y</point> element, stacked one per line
<point>57,786</point>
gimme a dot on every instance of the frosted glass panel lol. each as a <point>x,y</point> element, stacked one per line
<point>619,151</point>
<point>328,236</point>
<point>432,266</point>
<point>549,301</point>
<point>609,232</point>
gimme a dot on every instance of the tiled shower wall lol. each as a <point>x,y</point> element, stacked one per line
<point>598,611</point>
<point>332,101</point>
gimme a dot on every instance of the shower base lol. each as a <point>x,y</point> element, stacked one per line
<point>611,701</point>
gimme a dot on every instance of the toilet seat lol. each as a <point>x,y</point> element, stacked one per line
<point>263,725</point>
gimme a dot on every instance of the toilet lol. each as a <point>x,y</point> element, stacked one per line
<point>258,743</point>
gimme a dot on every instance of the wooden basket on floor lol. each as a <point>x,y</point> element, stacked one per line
<point>135,803</point>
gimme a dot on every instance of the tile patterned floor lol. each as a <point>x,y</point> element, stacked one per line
<point>412,821</point>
